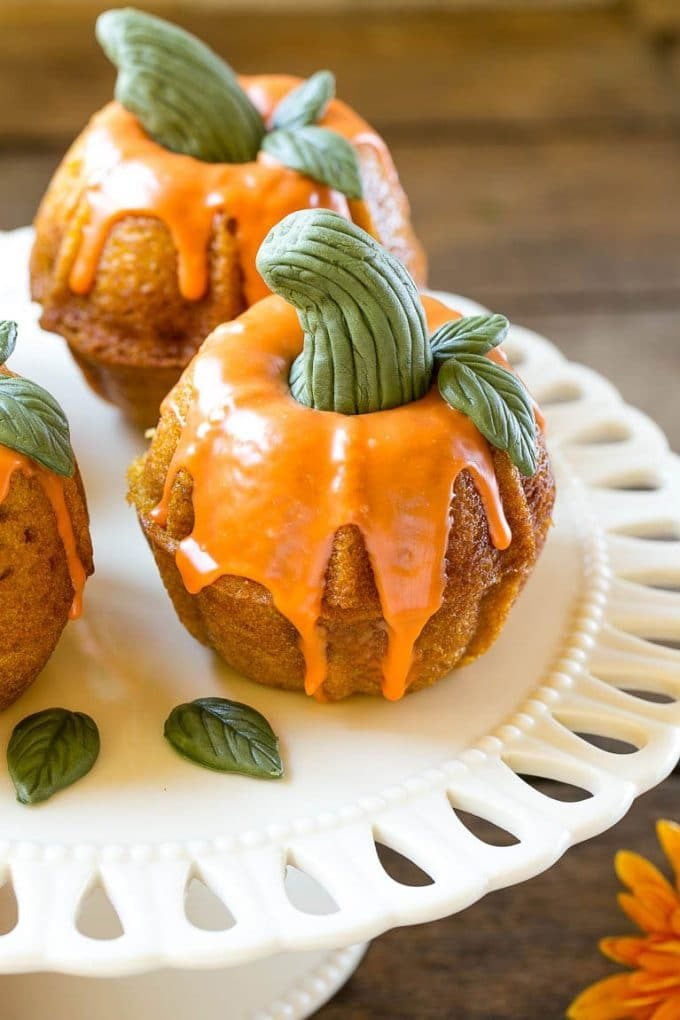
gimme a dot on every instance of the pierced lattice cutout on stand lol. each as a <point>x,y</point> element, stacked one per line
<point>609,744</point>
<point>485,831</point>
<point>661,531</point>
<point>97,917</point>
<point>306,894</point>
<point>602,433</point>
<point>515,352</point>
<point>9,910</point>
<point>563,391</point>
<point>204,909</point>
<point>555,789</point>
<point>655,696</point>
<point>642,481</point>
<point>401,869</point>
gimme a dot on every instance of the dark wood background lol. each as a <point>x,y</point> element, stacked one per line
<point>541,153</point>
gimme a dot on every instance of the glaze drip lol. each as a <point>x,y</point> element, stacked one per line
<point>129,173</point>
<point>275,480</point>
<point>53,486</point>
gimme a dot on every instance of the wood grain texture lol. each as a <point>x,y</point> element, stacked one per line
<point>536,69</point>
<point>541,154</point>
<point>564,221</point>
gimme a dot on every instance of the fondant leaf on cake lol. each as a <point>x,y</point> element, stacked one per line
<point>366,346</point>
<point>473,334</point>
<point>496,401</point>
<point>49,751</point>
<point>8,339</point>
<point>185,96</point>
<point>189,100</point>
<point>319,153</point>
<point>33,423</point>
<point>225,736</point>
<point>307,103</point>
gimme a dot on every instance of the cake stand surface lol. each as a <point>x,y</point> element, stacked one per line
<point>200,870</point>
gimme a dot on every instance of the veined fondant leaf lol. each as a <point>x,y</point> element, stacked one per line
<point>473,334</point>
<point>324,155</point>
<point>185,96</point>
<point>8,339</point>
<point>225,736</point>
<point>366,346</point>
<point>49,751</point>
<point>496,401</point>
<point>33,423</point>
<point>307,103</point>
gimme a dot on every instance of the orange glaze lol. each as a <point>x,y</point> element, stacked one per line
<point>274,480</point>
<point>129,173</point>
<point>53,485</point>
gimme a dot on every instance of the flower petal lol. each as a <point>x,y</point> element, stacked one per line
<point>623,949</point>
<point>668,834</point>
<point>661,985</point>
<point>669,1010</point>
<point>648,917</point>
<point>636,872</point>
<point>668,946</point>
<point>657,961</point>
<point>608,1000</point>
<point>657,899</point>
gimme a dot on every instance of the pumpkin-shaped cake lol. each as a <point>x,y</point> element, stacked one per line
<point>348,487</point>
<point>45,548</point>
<point>147,236</point>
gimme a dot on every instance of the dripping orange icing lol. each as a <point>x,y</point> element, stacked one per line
<point>129,173</point>
<point>53,486</point>
<point>274,480</point>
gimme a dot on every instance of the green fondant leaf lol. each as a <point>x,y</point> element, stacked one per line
<point>365,338</point>
<point>321,154</point>
<point>33,423</point>
<point>49,751</point>
<point>8,339</point>
<point>186,98</point>
<point>225,736</point>
<point>496,401</point>
<point>307,103</point>
<point>473,334</point>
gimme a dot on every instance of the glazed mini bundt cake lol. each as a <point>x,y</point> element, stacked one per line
<point>45,548</point>
<point>348,487</point>
<point>147,235</point>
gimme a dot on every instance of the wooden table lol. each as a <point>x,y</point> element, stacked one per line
<point>541,153</point>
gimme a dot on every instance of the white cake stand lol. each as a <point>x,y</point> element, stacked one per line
<point>294,863</point>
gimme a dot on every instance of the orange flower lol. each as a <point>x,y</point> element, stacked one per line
<point>651,990</point>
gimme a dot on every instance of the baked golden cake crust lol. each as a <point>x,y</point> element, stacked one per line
<point>36,589</point>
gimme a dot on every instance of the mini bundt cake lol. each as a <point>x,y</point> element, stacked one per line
<point>45,548</point>
<point>347,497</point>
<point>147,235</point>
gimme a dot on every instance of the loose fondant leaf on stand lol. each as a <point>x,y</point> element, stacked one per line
<point>225,736</point>
<point>186,98</point>
<point>307,103</point>
<point>8,339</point>
<point>496,401</point>
<point>365,338</point>
<point>319,153</point>
<point>49,751</point>
<point>33,423</point>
